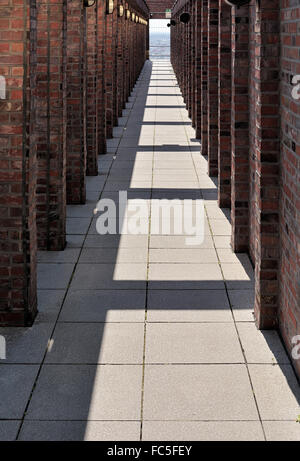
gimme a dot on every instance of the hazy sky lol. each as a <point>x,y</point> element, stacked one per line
<point>159,25</point>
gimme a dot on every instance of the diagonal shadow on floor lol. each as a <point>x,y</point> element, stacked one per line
<point>143,337</point>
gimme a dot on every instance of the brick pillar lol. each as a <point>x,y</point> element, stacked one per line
<point>115,62</point>
<point>240,130</point>
<point>198,71</point>
<point>224,109</point>
<point>18,168</point>
<point>193,62</point>
<point>109,74</point>
<point>120,57</point>
<point>127,55</point>
<point>51,124</point>
<point>101,71</point>
<point>204,50</point>
<point>92,78</point>
<point>289,269</point>
<point>189,62</point>
<point>264,157</point>
<point>147,40</point>
<point>76,102</point>
<point>212,87</point>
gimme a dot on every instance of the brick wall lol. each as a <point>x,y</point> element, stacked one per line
<point>76,101</point>
<point>224,105</point>
<point>51,124</point>
<point>212,87</point>
<point>92,78</point>
<point>289,269</point>
<point>258,137</point>
<point>18,166</point>
<point>264,157</point>
<point>240,129</point>
<point>53,62</point>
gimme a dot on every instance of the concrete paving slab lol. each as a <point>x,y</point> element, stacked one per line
<point>87,431</point>
<point>198,392</point>
<point>87,392</point>
<point>192,343</point>
<point>97,343</point>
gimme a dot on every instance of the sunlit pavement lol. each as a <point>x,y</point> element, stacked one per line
<point>146,337</point>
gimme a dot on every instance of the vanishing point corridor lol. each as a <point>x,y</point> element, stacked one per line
<point>143,337</point>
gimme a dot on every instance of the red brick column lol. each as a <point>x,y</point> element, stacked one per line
<point>204,62</point>
<point>18,165</point>
<point>212,87</point>
<point>109,74</point>
<point>198,70</point>
<point>51,124</point>
<point>115,62</point>
<point>120,58</point>
<point>127,54</point>
<point>92,82</point>
<point>240,130</point>
<point>289,295</point>
<point>101,72</point>
<point>193,62</point>
<point>76,102</point>
<point>189,60</point>
<point>264,157</point>
<point>224,109</point>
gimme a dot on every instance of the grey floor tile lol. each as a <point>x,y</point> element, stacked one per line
<point>26,345</point>
<point>286,431</point>
<point>242,302</point>
<point>192,343</point>
<point>203,431</point>
<point>226,255</point>
<point>87,392</point>
<point>116,241</point>
<point>189,276</point>
<point>198,392</point>
<point>188,306</point>
<point>87,431</point>
<point>81,211</point>
<point>54,276</point>
<point>277,391</point>
<point>74,241</point>
<point>9,430</point>
<point>96,183</point>
<point>77,226</point>
<point>261,346</point>
<point>104,306</point>
<point>222,241</point>
<point>178,241</point>
<point>182,255</point>
<point>16,382</point>
<point>97,343</point>
<point>49,304</point>
<point>110,276</point>
<point>111,255</point>
<point>238,276</point>
<point>68,255</point>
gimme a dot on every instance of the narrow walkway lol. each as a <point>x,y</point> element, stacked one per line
<point>151,338</point>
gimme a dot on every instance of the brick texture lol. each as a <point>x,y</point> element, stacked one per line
<point>51,124</point>
<point>18,165</point>
<point>289,211</point>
